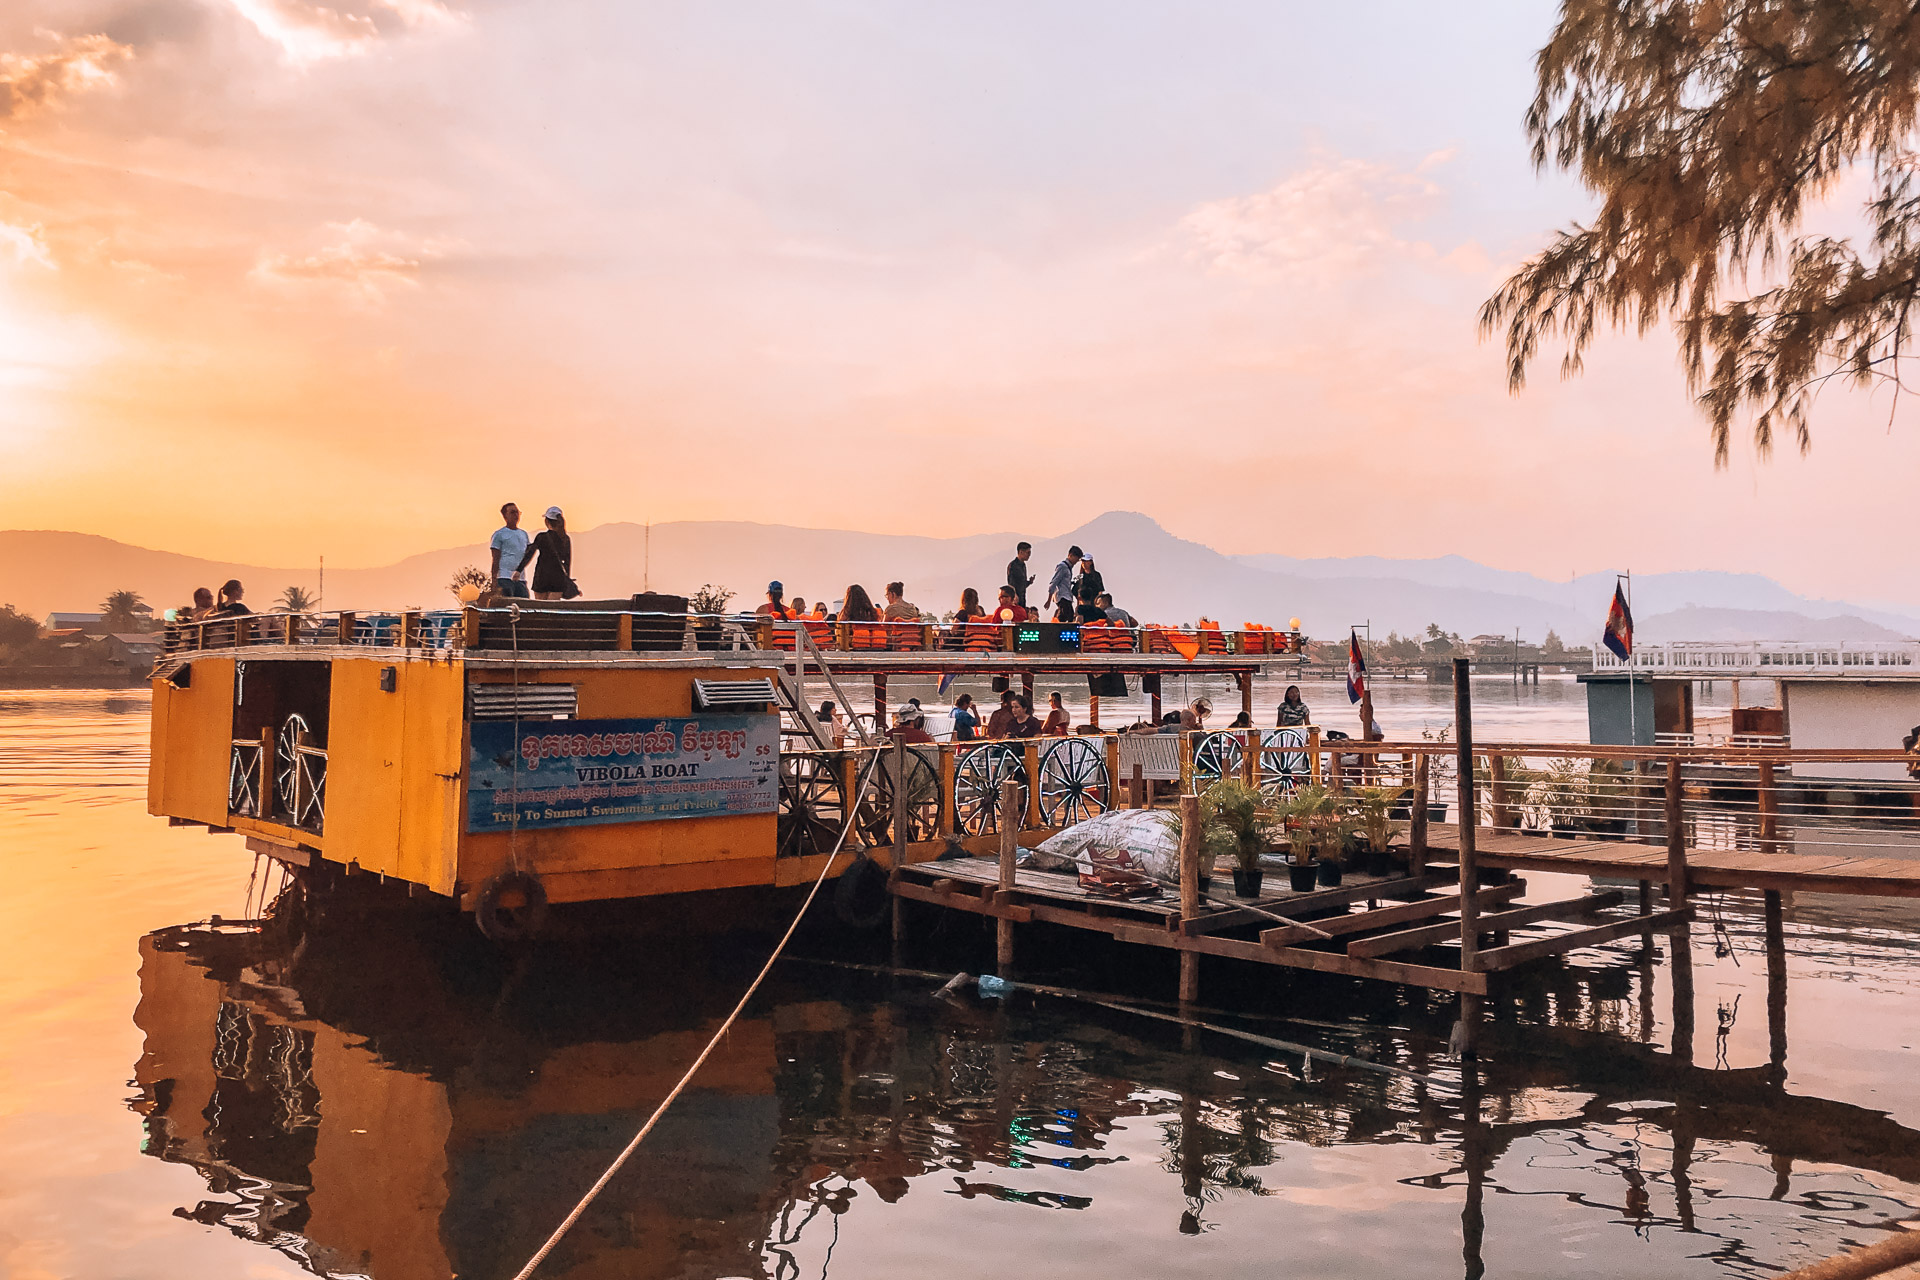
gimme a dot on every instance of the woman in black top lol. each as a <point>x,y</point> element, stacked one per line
<point>1088,586</point>
<point>553,575</point>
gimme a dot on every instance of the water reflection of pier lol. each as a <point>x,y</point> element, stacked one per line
<point>388,1108</point>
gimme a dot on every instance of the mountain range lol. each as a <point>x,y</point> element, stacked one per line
<point>1151,572</point>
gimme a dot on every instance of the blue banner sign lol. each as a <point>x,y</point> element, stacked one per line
<point>572,773</point>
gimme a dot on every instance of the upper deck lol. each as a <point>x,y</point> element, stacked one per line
<point>573,634</point>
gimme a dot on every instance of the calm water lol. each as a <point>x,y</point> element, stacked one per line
<point>397,1100</point>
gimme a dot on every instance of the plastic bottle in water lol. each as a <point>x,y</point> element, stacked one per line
<point>994,986</point>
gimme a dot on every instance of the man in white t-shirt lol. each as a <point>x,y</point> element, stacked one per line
<point>509,548</point>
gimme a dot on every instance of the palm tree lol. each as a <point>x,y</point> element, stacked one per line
<point>123,611</point>
<point>294,600</point>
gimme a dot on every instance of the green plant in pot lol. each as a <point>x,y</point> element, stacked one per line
<point>1334,839</point>
<point>1559,796</point>
<point>1306,813</point>
<point>1235,823</point>
<point>1373,809</point>
<point>706,605</point>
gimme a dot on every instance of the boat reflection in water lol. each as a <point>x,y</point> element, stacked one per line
<point>401,1105</point>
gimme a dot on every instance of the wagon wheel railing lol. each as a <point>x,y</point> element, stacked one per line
<point>310,788</point>
<point>813,805</point>
<point>1283,759</point>
<point>1215,756</point>
<point>976,785</point>
<point>1074,783</point>
<point>924,797</point>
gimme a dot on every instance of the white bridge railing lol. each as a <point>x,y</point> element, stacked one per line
<point>1769,658</point>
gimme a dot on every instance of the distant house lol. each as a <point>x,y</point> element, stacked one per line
<point>136,652</point>
<point>93,624</point>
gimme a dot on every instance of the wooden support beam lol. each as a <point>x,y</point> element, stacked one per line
<point>1417,816</point>
<point>1301,958</point>
<point>1112,746</point>
<point>623,632</point>
<point>1380,917</point>
<point>1189,891</point>
<point>1009,850</point>
<point>949,812</point>
<point>1030,756</point>
<point>1676,837</point>
<point>1503,815</point>
<point>1298,904</point>
<point>958,901</point>
<point>1769,798</point>
<point>1521,952</point>
<point>1498,922</point>
<point>1469,870</point>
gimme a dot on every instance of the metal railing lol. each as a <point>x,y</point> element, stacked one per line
<point>536,629</point>
<point>1769,659</point>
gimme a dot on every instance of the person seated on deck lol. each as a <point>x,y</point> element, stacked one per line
<point>819,610</point>
<point>776,605</point>
<point>898,610</point>
<point>1292,710</point>
<point>966,721</point>
<point>997,722</point>
<point>1086,611</point>
<point>857,606</point>
<point>1113,612</point>
<point>1023,724</point>
<point>1170,722</point>
<point>910,728</point>
<point>829,719</point>
<point>798,609</point>
<point>1009,609</point>
<point>230,604</point>
<point>1195,715</point>
<point>1063,612</point>
<point>1059,724</point>
<point>202,606</point>
<point>1242,721</point>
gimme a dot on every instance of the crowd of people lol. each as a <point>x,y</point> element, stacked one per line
<point>1077,592</point>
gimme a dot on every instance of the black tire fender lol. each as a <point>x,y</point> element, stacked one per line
<point>860,897</point>
<point>515,921</point>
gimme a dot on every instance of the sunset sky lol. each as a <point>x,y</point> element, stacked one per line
<point>280,280</point>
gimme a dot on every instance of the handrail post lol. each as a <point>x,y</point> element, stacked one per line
<point>287,629</point>
<point>263,796</point>
<point>409,629</point>
<point>1469,866</point>
<point>1676,837</point>
<point>1137,787</point>
<point>1497,788</point>
<point>949,822</point>
<point>1009,851</point>
<point>900,802</point>
<point>1250,759</point>
<point>470,628</point>
<point>348,621</point>
<point>1113,769</point>
<point>1769,799</point>
<point>1030,756</point>
<point>1314,773</point>
<point>1189,891</point>
<point>1186,762</point>
<point>1417,818</point>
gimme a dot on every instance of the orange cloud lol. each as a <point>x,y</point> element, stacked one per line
<point>26,245</point>
<point>30,84</point>
<point>355,260</point>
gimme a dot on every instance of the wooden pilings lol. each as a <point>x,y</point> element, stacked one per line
<point>899,844</point>
<point>1189,891</point>
<point>1467,1031</point>
<point>1676,838</point>
<point>1417,815</point>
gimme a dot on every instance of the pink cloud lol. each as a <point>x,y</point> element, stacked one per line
<point>31,84</point>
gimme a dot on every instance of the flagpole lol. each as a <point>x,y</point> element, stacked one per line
<point>1633,669</point>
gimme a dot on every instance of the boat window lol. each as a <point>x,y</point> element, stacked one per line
<point>531,701</point>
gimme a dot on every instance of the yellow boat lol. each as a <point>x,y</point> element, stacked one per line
<point>506,758</point>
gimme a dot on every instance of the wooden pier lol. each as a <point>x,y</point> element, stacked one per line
<point>1448,921</point>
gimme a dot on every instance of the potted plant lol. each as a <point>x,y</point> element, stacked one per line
<point>706,605</point>
<point>1559,796</point>
<point>1234,822</point>
<point>1307,813</point>
<point>1374,808</point>
<point>1335,842</point>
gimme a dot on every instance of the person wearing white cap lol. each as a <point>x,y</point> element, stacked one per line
<point>553,574</point>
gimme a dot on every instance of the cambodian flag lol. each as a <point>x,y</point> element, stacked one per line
<point>1619,633</point>
<point>946,682</point>
<point>1356,669</point>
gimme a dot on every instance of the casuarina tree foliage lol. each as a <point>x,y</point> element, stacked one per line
<point>1709,129</point>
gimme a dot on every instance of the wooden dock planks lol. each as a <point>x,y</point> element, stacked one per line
<point>1706,868</point>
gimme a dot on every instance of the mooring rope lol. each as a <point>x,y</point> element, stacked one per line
<point>566,1225</point>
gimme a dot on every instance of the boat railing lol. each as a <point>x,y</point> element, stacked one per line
<point>532,627</point>
<point>271,784</point>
